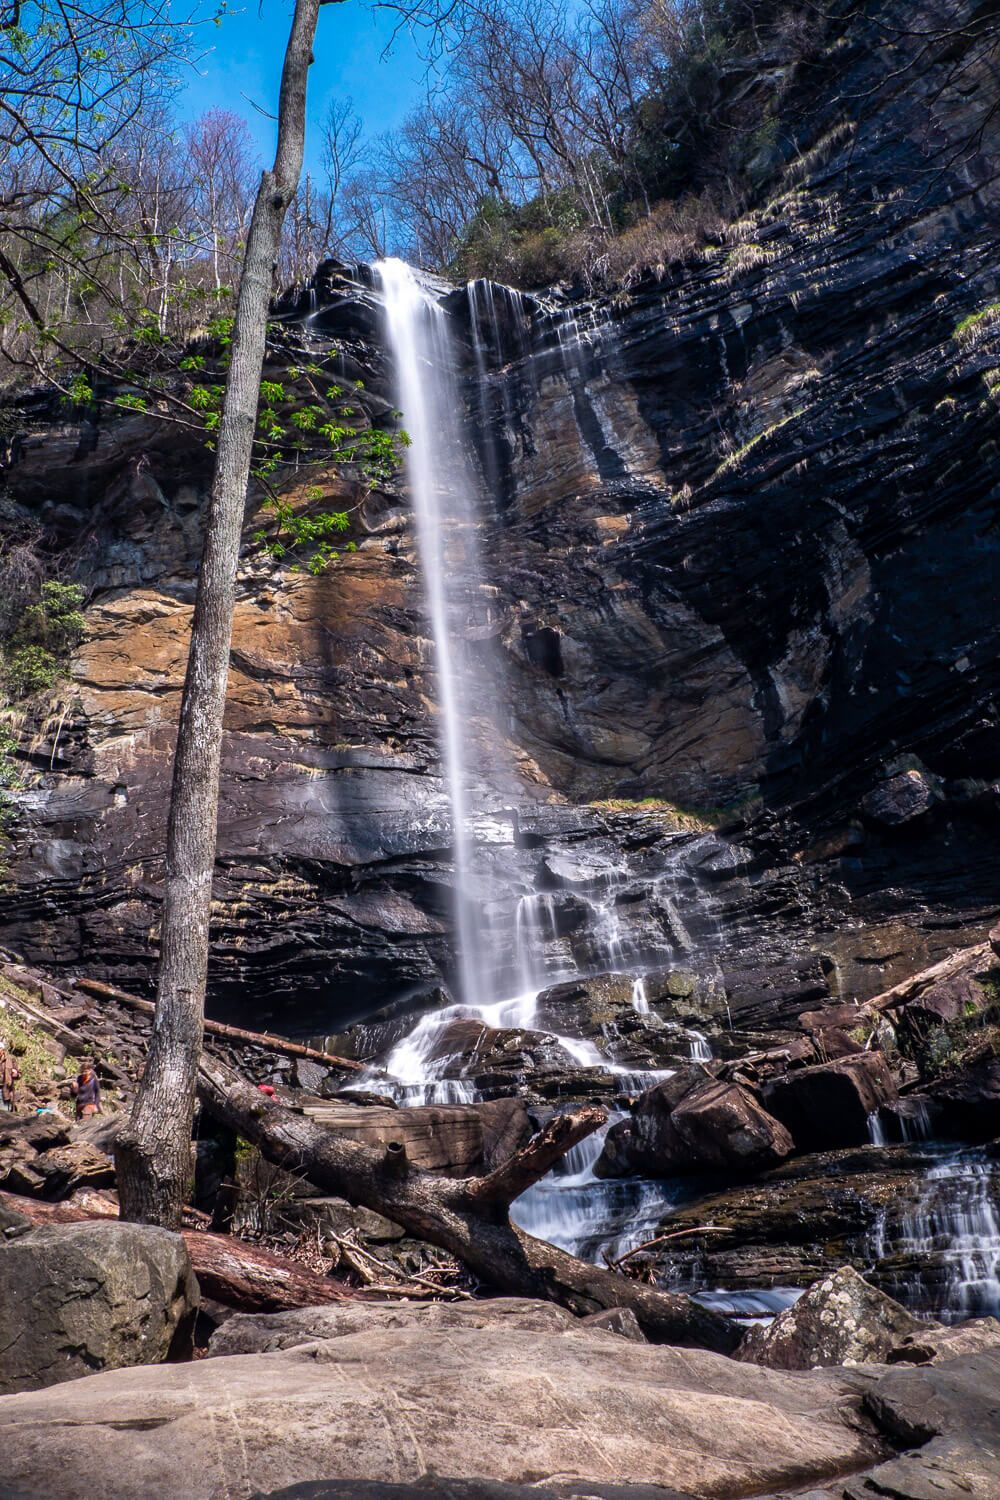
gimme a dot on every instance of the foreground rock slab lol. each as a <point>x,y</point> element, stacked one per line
<point>75,1298</point>
<point>393,1404</point>
<point>433,1487</point>
<point>949,1418</point>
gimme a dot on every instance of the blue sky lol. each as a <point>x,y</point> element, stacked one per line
<point>243,60</point>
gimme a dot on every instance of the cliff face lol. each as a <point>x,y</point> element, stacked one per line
<point>745,546</point>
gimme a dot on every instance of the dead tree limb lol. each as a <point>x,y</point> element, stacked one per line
<point>231,1271</point>
<point>467,1217</point>
<point>227,1033</point>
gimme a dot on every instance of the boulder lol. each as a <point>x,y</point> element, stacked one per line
<point>75,1165</point>
<point>390,1404</point>
<point>900,799</point>
<point>950,999</point>
<point>34,1132</point>
<point>828,1105</point>
<point>693,1122</point>
<point>582,1007</point>
<point>75,1298</point>
<point>839,1321</point>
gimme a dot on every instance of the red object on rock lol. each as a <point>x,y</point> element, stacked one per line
<point>266,1088</point>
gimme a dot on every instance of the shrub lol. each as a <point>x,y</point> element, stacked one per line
<point>38,642</point>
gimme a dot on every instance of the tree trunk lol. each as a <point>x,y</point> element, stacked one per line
<point>154,1152</point>
<point>468,1217</point>
<point>231,1271</point>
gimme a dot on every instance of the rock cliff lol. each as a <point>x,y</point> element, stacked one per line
<point>742,554</point>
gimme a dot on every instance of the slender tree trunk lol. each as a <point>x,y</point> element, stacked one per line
<point>154,1152</point>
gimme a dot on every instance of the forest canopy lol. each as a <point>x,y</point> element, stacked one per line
<point>552,141</point>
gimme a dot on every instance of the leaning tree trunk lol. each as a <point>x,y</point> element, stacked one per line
<point>154,1152</point>
<point>468,1217</point>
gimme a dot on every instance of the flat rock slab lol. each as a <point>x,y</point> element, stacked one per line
<point>434,1488</point>
<point>948,1416</point>
<point>392,1405</point>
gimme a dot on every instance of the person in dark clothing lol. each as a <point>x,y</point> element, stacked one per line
<point>87,1092</point>
<point>9,1074</point>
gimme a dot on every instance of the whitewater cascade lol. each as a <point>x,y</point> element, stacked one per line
<point>442,495</point>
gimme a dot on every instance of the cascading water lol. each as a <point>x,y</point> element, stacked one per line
<point>418,338</point>
<point>942,1254</point>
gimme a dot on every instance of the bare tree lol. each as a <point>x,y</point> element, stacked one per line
<point>154,1150</point>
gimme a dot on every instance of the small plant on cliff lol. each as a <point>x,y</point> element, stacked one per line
<point>40,640</point>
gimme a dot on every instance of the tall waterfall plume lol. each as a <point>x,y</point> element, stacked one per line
<point>443,494</point>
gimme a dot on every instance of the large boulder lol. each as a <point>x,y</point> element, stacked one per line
<point>75,1298</point>
<point>901,798</point>
<point>839,1321</point>
<point>693,1122</point>
<point>830,1104</point>
<point>390,1404</point>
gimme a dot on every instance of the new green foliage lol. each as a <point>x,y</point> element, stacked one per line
<point>39,640</point>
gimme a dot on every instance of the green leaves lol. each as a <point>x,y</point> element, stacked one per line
<point>44,635</point>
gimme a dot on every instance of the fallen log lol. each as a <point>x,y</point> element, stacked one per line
<point>229,1270</point>
<point>468,1217</point>
<point>974,960</point>
<point>229,1033</point>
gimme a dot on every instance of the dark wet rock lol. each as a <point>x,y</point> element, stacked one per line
<point>967,1100</point>
<point>841,1320</point>
<point>583,1007</point>
<point>76,1298</point>
<point>693,1122</point>
<point>801,1222</point>
<point>829,1104</point>
<point>900,799</point>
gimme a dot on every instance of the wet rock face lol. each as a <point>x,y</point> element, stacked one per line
<point>745,545</point>
<point>830,1103</point>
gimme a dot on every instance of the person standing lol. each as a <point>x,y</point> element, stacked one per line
<point>87,1092</point>
<point>9,1075</point>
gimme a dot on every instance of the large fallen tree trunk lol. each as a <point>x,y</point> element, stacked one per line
<point>469,1217</point>
<point>231,1271</point>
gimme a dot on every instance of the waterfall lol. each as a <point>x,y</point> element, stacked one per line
<point>418,338</point>
<point>941,1253</point>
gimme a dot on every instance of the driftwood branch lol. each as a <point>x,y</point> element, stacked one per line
<point>459,1215</point>
<point>661,1239</point>
<point>228,1033</point>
